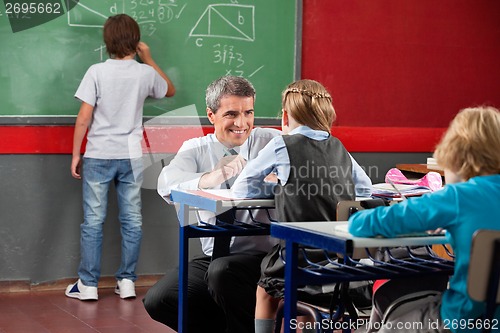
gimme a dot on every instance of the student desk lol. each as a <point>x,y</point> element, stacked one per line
<point>418,169</point>
<point>324,235</point>
<point>192,201</point>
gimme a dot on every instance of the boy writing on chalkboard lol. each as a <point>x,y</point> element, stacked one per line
<point>112,95</point>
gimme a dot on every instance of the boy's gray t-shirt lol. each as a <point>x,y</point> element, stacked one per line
<point>117,89</point>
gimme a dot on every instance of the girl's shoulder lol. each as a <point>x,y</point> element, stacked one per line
<point>265,132</point>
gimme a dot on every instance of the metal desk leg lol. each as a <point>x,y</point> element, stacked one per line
<point>291,269</point>
<point>183,269</point>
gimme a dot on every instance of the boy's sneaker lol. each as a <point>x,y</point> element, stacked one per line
<point>125,288</point>
<point>81,291</point>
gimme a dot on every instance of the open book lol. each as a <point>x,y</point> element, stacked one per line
<point>432,164</point>
<point>385,190</point>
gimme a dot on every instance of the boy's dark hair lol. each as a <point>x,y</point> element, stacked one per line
<point>121,35</point>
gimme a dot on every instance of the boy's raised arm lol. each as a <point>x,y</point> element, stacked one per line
<point>145,54</point>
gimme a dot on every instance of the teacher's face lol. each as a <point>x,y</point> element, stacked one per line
<point>233,121</point>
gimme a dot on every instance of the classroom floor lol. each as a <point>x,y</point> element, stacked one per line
<point>53,312</point>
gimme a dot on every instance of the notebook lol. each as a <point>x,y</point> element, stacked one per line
<point>386,190</point>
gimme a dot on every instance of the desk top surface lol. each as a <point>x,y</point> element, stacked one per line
<point>418,168</point>
<point>298,231</point>
<point>217,200</point>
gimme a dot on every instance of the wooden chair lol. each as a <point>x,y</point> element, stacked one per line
<point>484,272</point>
<point>346,208</point>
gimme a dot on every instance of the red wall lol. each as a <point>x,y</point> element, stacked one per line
<point>403,63</point>
<point>59,139</point>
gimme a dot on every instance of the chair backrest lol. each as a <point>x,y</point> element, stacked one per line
<point>347,208</point>
<point>484,260</point>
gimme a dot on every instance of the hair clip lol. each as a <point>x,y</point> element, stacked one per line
<point>308,93</point>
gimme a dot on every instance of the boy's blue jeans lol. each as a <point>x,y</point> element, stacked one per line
<point>97,176</point>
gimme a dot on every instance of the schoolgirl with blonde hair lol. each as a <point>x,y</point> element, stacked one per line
<point>313,172</point>
<point>310,104</point>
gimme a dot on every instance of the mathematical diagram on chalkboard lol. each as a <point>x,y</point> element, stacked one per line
<point>231,21</point>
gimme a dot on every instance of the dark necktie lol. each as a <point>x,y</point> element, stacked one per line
<point>222,243</point>
<point>229,182</point>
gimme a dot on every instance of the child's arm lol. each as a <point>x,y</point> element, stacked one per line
<point>251,181</point>
<point>81,125</point>
<point>145,54</point>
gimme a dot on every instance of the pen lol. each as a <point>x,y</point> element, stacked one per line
<point>395,188</point>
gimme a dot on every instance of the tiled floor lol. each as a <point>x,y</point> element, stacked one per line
<point>53,312</point>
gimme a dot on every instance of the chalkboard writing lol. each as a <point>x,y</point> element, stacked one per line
<point>193,41</point>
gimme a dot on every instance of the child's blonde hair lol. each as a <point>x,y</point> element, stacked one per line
<point>310,104</point>
<point>470,146</point>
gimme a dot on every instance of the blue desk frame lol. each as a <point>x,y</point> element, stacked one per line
<point>323,235</point>
<point>199,200</point>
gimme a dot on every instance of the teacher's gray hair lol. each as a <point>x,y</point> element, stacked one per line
<point>227,86</point>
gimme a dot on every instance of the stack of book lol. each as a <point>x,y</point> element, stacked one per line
<point>432,164</point>
<point>385,190</point>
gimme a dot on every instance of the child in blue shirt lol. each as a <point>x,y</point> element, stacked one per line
<point>469,155</point>
<point>112,95</point>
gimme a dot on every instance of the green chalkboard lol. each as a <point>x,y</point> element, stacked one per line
<point>194,41</point>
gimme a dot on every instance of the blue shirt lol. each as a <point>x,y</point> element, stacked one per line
<point>274,158</point>
<point>461,209</point>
